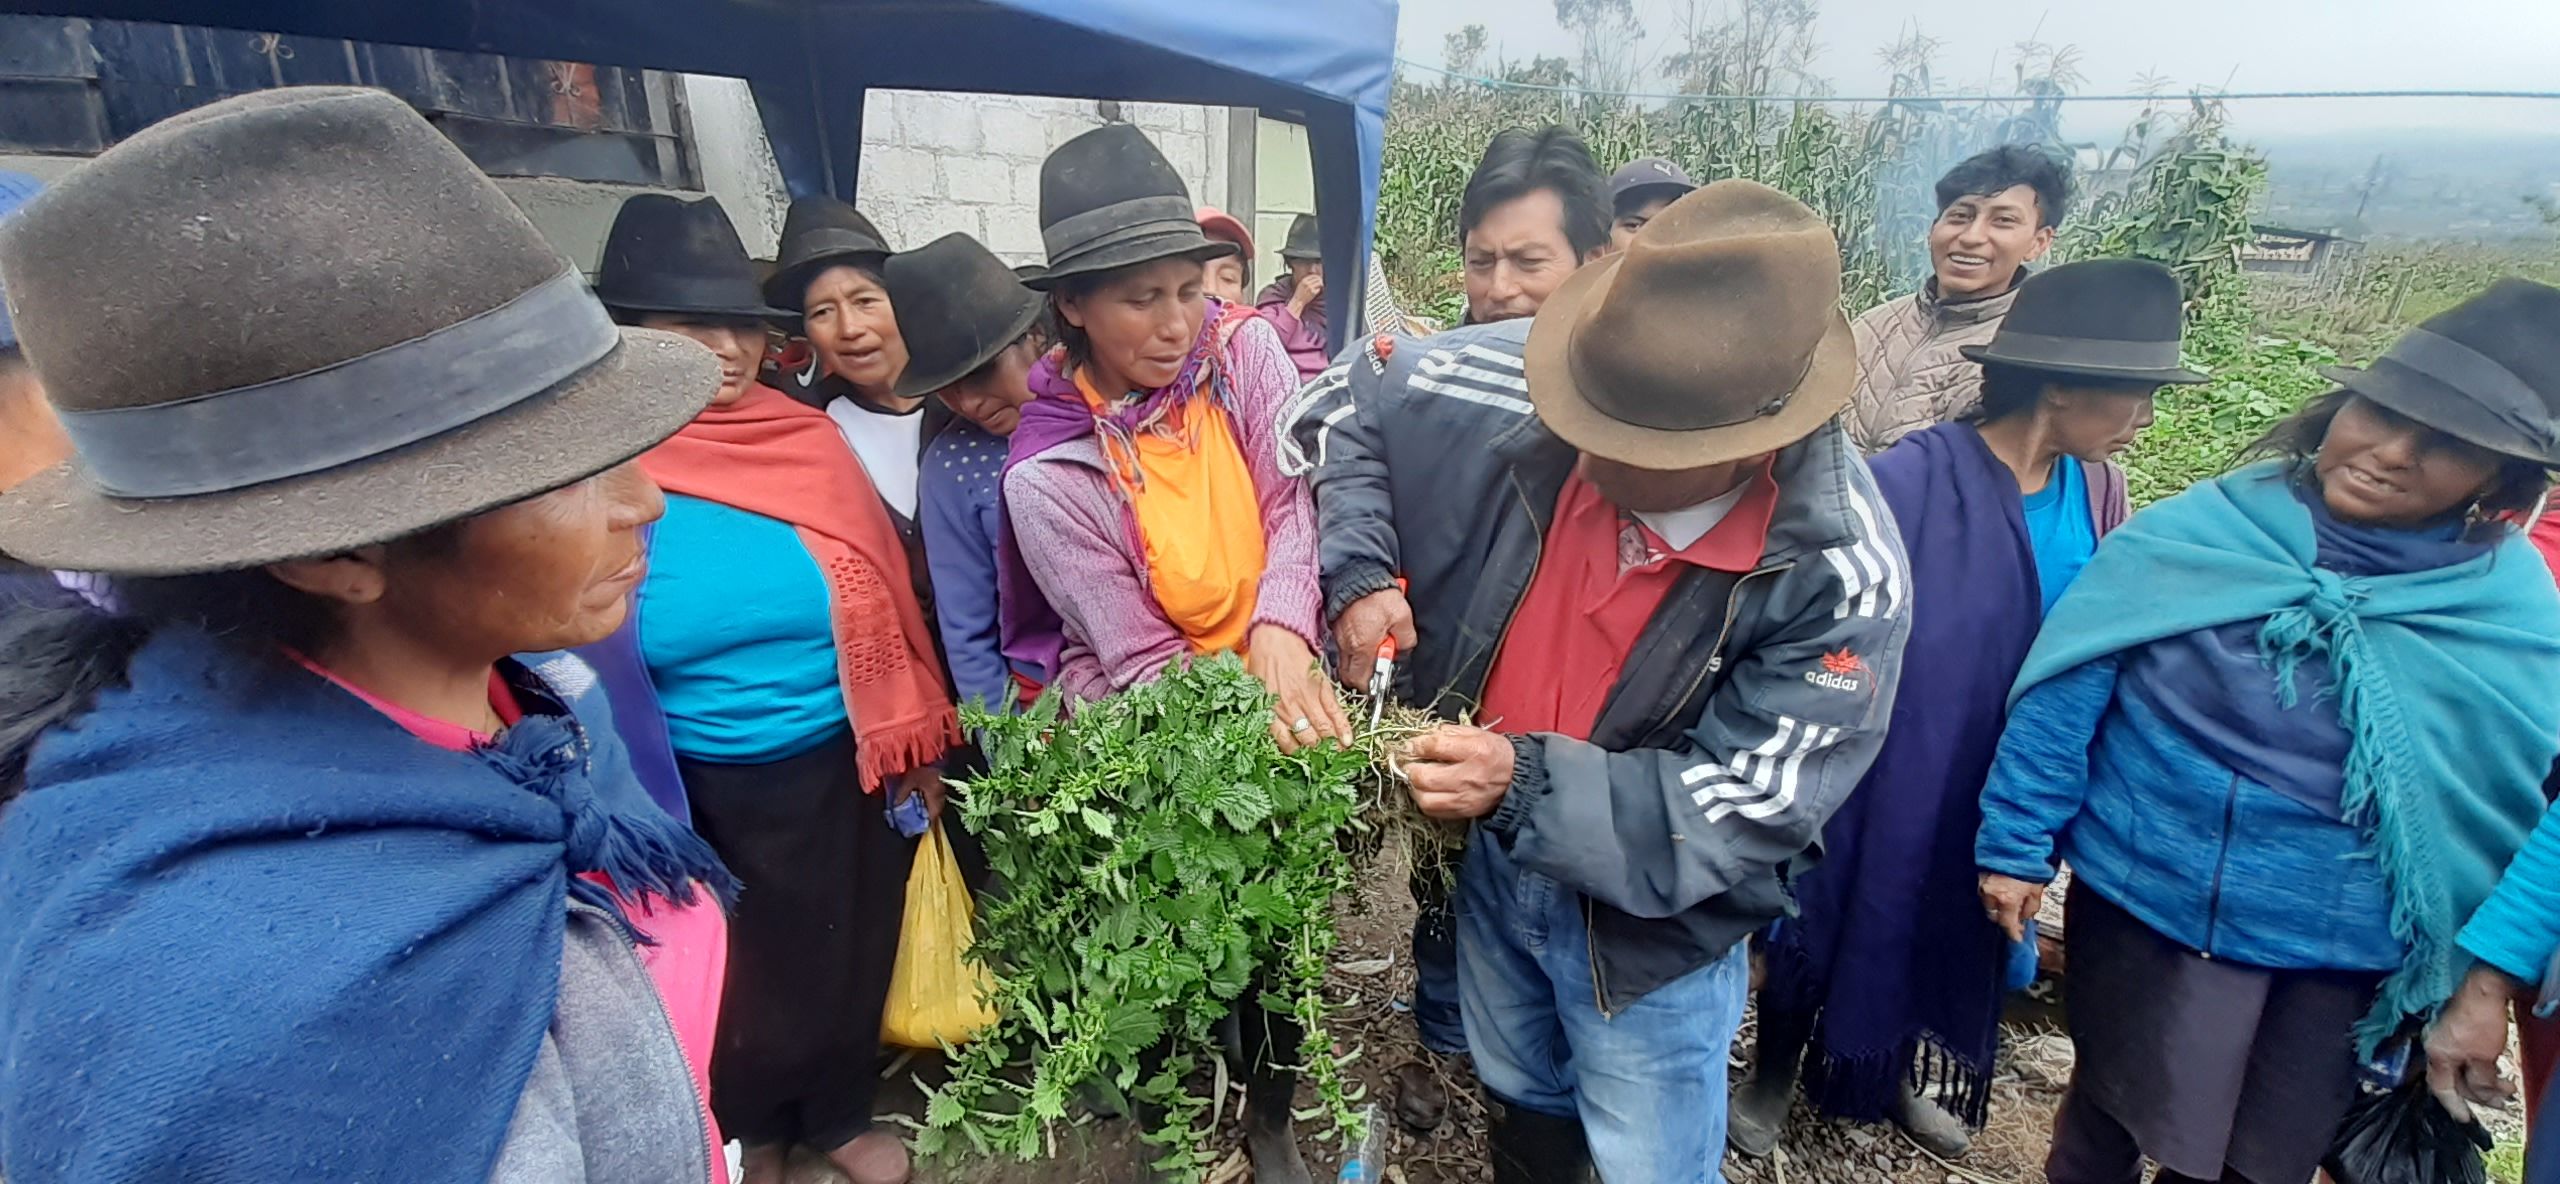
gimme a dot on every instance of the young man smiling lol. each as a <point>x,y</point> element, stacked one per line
<point>1996,214</point>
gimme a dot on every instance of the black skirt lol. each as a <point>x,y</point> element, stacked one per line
<point>811,946</point>
<point>2209,1065</point>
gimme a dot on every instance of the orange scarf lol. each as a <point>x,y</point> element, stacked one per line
<point>1199,520</point>
<point>768,455</point>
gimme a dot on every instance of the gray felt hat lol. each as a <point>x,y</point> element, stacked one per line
<point>354,337</point>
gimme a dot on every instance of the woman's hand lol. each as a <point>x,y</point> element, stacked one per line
<point>1308,712</point>
<point>2464,1044</point>
<point>2009,902</point>
<point>926,781</point>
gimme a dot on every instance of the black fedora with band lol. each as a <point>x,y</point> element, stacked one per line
<point>958,306</point>
<point>1108,200</point>
<point>2486,371</point>
<point>682,258</point>
<point>377,342</point>
<point>819,232</point>
<point>2112,320</point>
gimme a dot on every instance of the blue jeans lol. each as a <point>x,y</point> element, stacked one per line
<point>1435,963</point>
<point>1648,1082</point>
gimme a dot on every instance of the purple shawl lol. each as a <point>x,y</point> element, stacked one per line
<point>1891,949</point>
<point>1027,627</point>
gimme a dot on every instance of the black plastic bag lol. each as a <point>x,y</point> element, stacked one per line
<point>2405,1137</point>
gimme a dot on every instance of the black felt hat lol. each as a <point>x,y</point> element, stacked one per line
<point>2116,320</point>
<point>1109,200</point>
<point>1303,242</point>
<point>819,232</point>
<point>2486,370</point>
<point>668,255</point>
<point>958,306</point>
<point>375,342</point>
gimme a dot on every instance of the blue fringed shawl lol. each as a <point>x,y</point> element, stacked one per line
<point>254,930</point>
<point>2443,680</point>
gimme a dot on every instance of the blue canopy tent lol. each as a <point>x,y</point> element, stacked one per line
<point>1323,63</point>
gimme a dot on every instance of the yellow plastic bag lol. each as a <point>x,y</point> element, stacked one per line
<point>936,995</point>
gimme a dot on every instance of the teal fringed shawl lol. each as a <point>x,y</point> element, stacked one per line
<point>2447,680</point>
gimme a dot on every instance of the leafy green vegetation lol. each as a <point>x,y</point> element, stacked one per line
<point>2506,1161</point>
<point>1159,861</point>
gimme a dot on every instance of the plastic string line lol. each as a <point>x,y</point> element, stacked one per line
<point>2218,96</point>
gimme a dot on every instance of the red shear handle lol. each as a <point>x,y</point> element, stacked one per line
<point>1387,644</point>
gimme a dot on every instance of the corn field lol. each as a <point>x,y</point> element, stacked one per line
<point>1870,174</point>
<point>2178,191</point>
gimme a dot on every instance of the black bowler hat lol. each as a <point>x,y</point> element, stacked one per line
<point>2486,370</point>
<point>2117,320</point>
<point>958,306</point>
<point>1303,242</point>
<point>668,255</point>
<point>819,232</point>
<point>1109,200</point>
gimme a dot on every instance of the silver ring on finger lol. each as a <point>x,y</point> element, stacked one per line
<point>1302,726</point>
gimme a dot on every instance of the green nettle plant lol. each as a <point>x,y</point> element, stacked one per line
<point>1159,860</point>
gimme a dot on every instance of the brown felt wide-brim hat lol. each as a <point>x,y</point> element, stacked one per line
<point>375,341</point>
<point>1682,287</point>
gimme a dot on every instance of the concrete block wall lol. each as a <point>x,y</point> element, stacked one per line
<point>936,163</point>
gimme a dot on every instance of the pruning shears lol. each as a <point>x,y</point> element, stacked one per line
<point>1382,679</point>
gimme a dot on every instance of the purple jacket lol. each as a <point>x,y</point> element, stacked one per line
<point>1302,336</point>
<point>1078,542</point>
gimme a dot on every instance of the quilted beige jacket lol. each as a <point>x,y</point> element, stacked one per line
<point>1910,375</point>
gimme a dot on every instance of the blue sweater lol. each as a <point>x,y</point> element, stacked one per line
<point>2183,786</point>
<point>735,628</point>
<point>2212,859</point>
<point>961,510</point>
<point>2517,929</point>
<point>2061,532</point>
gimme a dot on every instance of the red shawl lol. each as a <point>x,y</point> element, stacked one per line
<point>768,455</point>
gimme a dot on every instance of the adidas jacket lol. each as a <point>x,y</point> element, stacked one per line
<point>1751,707</point>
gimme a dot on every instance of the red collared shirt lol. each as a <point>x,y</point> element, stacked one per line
<point>1600,578</point>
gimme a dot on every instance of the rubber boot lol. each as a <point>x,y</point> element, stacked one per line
<point>1532,1148</point>
<point>1930,1125</point>
<point>1757,1111</point>
<point>1270,1136</point>
<point>1259,1047</point>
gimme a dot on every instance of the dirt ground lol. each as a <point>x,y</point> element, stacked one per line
<point>1372,971</point>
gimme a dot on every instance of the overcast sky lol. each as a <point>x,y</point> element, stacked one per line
<point>2242,44</point>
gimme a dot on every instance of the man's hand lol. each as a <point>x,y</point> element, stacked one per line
<point>2009,901</point>
<point>1366,622</point>
<point>2464,1044</point>
<point>1308,712</point>
<point>1305,292</point>
<point>926,781</point>
<point>1456,772</point>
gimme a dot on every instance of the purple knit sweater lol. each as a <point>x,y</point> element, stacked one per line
<point>1075,537</point>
